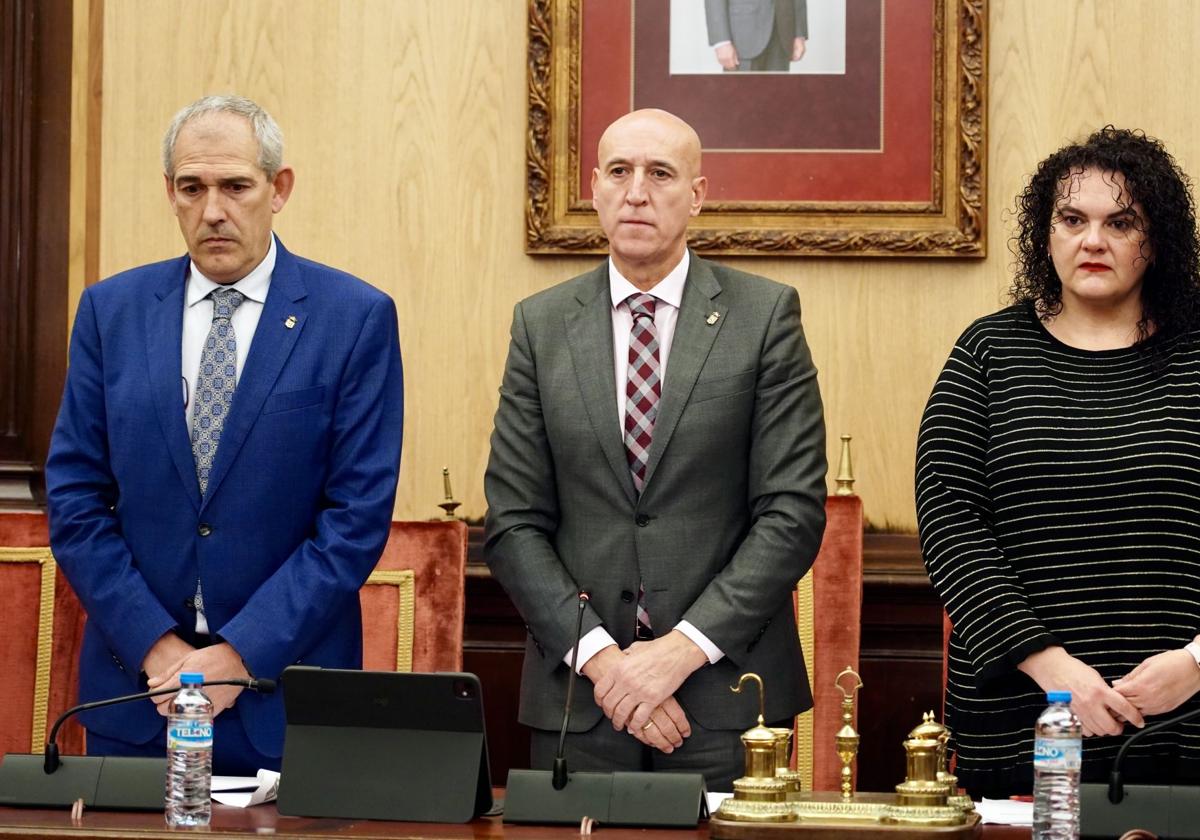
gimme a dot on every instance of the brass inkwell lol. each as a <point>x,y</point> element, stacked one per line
<point>769,796</point>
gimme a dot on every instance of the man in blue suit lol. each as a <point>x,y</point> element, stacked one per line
<point>223,469</point>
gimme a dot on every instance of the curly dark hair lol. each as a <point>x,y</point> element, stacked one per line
<point>1171,284</point>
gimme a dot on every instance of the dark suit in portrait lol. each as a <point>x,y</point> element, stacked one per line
<point>763,32</point>
<point>729,517</point>
<point>297,503</point>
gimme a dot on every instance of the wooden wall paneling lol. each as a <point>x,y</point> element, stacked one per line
<point>900,655</point>
<point>406,124</point>
<point>87,68</point>
<point>35,126</point>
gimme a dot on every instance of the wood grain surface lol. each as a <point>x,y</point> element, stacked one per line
<point>405,121</point>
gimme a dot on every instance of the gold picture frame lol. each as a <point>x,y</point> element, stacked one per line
<point>560,220</point>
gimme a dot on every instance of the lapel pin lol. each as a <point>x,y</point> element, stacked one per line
<point>712,318</point>
<point>291,321</point>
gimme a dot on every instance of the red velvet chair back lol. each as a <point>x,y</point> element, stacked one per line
<point>413,604</point>
<point>828,613</point>
<point>947,628</point>
<point>39,644</point>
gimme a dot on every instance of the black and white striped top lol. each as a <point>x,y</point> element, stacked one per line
<point>1058,499</point>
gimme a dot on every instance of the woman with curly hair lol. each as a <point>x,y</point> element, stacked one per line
<point>1058,475</point>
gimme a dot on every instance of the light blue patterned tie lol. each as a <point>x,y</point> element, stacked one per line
<point>215,382</point>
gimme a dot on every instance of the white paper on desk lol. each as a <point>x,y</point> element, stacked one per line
<point>265,784</point>
<point>715,800</point>
<point>1005,812</point>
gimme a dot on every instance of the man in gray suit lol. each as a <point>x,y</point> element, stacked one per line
<point>757,35</point>
<point>659,444</point>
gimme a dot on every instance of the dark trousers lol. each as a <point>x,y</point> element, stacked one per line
<point>776,56</point>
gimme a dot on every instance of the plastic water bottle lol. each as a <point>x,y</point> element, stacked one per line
<point>189,755</point>
<point>1057,758</point>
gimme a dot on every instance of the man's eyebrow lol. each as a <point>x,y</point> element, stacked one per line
<point>653,164</point>
<point>233,179</point>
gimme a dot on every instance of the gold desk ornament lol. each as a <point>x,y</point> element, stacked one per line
<point>923,748</point>
<point>925,806</point>
<point>958,800</point>
<point>783,759</point>
<point>449,505</point>
<point>847,738</point>
<point>758,796</point>
<point>845,476</point>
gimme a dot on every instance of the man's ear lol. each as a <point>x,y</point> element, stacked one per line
<point>170,189</point>
<point>285,179</point>
<point>699,191</point>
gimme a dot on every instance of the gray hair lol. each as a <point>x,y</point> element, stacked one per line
<point>266,130</point>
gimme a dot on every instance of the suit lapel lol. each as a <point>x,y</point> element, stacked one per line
<point>272,344</point>
<point>589,334</point>
<point>164,338</point>
<point>694,337</point>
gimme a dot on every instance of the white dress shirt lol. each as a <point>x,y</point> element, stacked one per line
<point>197,321</point>
<point>668,294</point>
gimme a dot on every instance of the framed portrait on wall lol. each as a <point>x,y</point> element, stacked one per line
<point>830,127</point>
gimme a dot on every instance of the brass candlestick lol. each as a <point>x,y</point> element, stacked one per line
<point>845,476</point>
<point>449,505</point>
<point>847,738</point>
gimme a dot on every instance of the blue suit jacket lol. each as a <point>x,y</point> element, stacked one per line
<point>299,500</point>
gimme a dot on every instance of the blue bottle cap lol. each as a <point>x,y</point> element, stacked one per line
<point>197,679</point>
<point>1058,696</point>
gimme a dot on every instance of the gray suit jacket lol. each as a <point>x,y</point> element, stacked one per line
<point>731,514</point>
<point>749,23</point>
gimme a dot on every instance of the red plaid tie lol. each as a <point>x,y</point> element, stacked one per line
<point>643,387</point>
<point>642,390</point>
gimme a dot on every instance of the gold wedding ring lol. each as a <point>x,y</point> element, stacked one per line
<point>649,723</point>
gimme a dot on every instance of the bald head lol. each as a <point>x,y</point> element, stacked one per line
<point>661,127</point>
<point>646,188</point>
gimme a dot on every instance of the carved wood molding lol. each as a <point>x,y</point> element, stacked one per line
<point>559,221</point>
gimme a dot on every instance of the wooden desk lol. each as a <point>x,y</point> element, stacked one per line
<point>30,824</point>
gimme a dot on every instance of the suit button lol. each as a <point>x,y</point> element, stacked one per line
<point>627,596</point>
<point>204,530</point>
<point>642,520</point>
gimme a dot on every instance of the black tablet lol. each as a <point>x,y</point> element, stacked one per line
<point>383,745</point>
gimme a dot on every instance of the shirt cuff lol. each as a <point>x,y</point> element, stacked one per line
<point>721,44</point>
<point>714,653</point>
<point>594,641</point>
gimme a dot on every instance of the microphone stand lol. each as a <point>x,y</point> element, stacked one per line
<point>560,759</point>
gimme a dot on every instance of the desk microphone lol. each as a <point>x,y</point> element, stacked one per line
<point>1116,789</point>
<point>615,798</point>
<point>1169,811</point>
<point>101,781</point>
<point>560,759</point>
<point>52,762</point>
